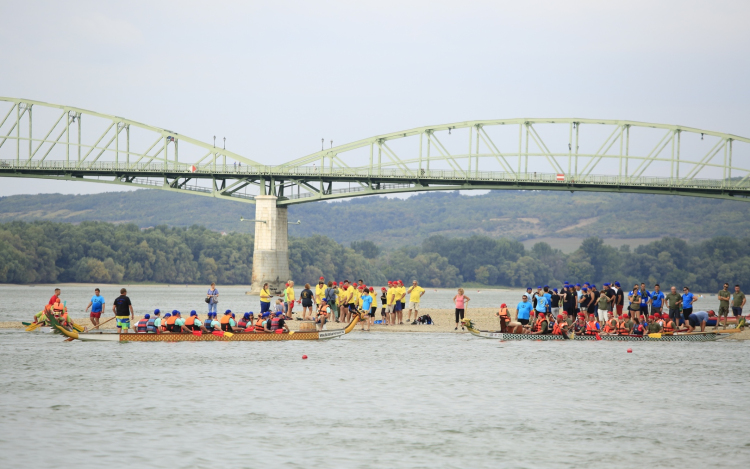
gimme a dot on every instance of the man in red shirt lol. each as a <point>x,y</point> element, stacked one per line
<point>55,297</point>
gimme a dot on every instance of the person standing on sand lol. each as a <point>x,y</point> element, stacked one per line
<point>213,298</point>
<point>738,302</point>
<point>97,307</point>
<point>674,300</point>
<point>461,301</point>
<point>265,299</point>
<point>121,307</point>
<point>415,295</point>
<point>523,310</point>
<point>289,299</point>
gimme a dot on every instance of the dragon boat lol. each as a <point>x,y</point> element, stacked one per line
<point>101,336</point>
<point>677,337</point>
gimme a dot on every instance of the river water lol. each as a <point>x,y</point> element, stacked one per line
<point>377,400</point>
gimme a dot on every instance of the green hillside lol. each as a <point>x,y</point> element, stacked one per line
<point>390,222</point>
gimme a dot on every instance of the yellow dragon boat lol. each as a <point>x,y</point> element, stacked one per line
<point>101,336</point>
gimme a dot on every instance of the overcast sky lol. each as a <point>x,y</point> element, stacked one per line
<point>275,77</point>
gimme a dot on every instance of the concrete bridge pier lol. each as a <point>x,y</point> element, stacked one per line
<point>271,251</point>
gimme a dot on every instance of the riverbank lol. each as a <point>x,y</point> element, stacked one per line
<point>444,322</point>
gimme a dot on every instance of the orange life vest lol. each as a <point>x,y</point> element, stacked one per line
<point>225,319</point>
<point>621,329</point>
<point>259,326</point>
<point>504,313</point>
<point>557,330</point>
<point>591,328</point>
<point>171,320</point>
<point>609,327</point>
<point>190,321</point>
<point>669,326</point>
<point>538,324</point>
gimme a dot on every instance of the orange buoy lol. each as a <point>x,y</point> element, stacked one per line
<point>304,357</point>
<point>630,350</point>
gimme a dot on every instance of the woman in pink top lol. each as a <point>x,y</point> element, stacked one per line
<point>461,301</point>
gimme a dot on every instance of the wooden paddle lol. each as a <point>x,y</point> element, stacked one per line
<point>103,323</point>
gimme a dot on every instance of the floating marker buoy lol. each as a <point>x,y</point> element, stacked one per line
<point>304,357</point>
<point>630,350</point>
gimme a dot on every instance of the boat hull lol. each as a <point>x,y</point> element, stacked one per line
<point>699,337</point>
<point>240,337</point>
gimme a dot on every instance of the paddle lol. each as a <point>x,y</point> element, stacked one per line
<point>103,323</point>
<point>34,326</point>
<point>655,335</point>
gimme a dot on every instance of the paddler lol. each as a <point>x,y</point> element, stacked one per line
<point>261,324</point>
<point>246,323</point>
<point>611,326</point>
<point>323,312</point>
<point>560,327</point>
<point>141,327</point>
<point>192,323</point>
<point>592,326</point>
<point>623,325</point>
<point>668,324</point>
<point>227,322</point>
<point>154,325</point>
<point>278,324</point>
<point>163,322</point>
<point>504,317</point>
<point>211,323</point>
<point>169,321</point>
<point>540,325</point>
<point>579,326</point>
<point>179,324</point>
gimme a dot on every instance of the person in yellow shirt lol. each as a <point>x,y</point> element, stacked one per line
<point>289,298</point>
<point>415,294</point>
<point>391,308</point>
<point>265,298</point>
<point>354,299</point>
<point>399,304</point>
<point>373,305</point>
<point>320,291</point>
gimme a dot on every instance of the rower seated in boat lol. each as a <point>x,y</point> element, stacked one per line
<point>541,325</point>
<point>561,327</point>
<point>504,316</point>
<point>246,323</point>
<point>654,326</point>
<point>579,326</point>
<point>180,324</point>
<point>262,323</point>
<point>169,320</point>
<point>211,323</point>
<point>227,321</point>
<point>592,326</point>
<point>611,326</point>
<point>141,327</point>
<point>624,325</point>
<point>323,312</point>
<point>192,323</point>
<point>640,327</point>
<point>278,323</point>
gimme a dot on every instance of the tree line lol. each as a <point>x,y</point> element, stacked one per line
<point>49,252</point>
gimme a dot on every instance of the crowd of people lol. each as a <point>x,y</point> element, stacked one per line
<point>584,309</point>
<point>579,308</point>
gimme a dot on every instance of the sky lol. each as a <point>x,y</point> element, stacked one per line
<point>276,77</point>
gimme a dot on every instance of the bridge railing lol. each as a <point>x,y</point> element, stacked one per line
<point>362,174</point>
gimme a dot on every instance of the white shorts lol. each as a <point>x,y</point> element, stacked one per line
<point>414,306</point>
<point>389,309</point>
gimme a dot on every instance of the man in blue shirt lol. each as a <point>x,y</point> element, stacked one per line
<point>541,304</point>
<point>523,310</point>
<point>657,300</point>
<point>97,306</point>
<point>548,296</point>
<point>687,303</point>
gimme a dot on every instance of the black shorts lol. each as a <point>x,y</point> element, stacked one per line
<point>459,314</point>
<point>372,311</point>
<point>686,312</point>
<point>524,322</point>
<point>693,320</point>
<point>382,312</point>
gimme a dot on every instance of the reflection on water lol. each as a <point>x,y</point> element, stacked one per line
<point>390,400</point>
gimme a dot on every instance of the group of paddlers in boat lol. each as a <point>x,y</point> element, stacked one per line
<point>173,322</point>
<point>546,323</point>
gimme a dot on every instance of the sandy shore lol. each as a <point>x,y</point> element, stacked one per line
<point>444,321</point>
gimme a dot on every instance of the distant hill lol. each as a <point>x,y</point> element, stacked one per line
<point>391,222</point>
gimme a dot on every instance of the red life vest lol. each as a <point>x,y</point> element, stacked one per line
<point>142,326</point>
<point>242,324</point>
<point>274,324</point>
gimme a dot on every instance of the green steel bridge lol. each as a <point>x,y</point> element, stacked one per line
<point>49,141</point>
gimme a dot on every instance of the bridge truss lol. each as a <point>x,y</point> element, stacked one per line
<point>40,140</point>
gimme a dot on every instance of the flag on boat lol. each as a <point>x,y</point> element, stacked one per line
<point>560,177</point>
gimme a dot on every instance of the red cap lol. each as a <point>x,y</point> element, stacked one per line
<point>665,316</point>
<point>286,284</point>
<point>372,289</point>
<point>581,315</point>
<point>383,288</point>
<point>334,283</point>
<point>503,305</point>
<point>361,287</point>
<point>560,316</point>
<point>322,278</point>
<point>532,313</point>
